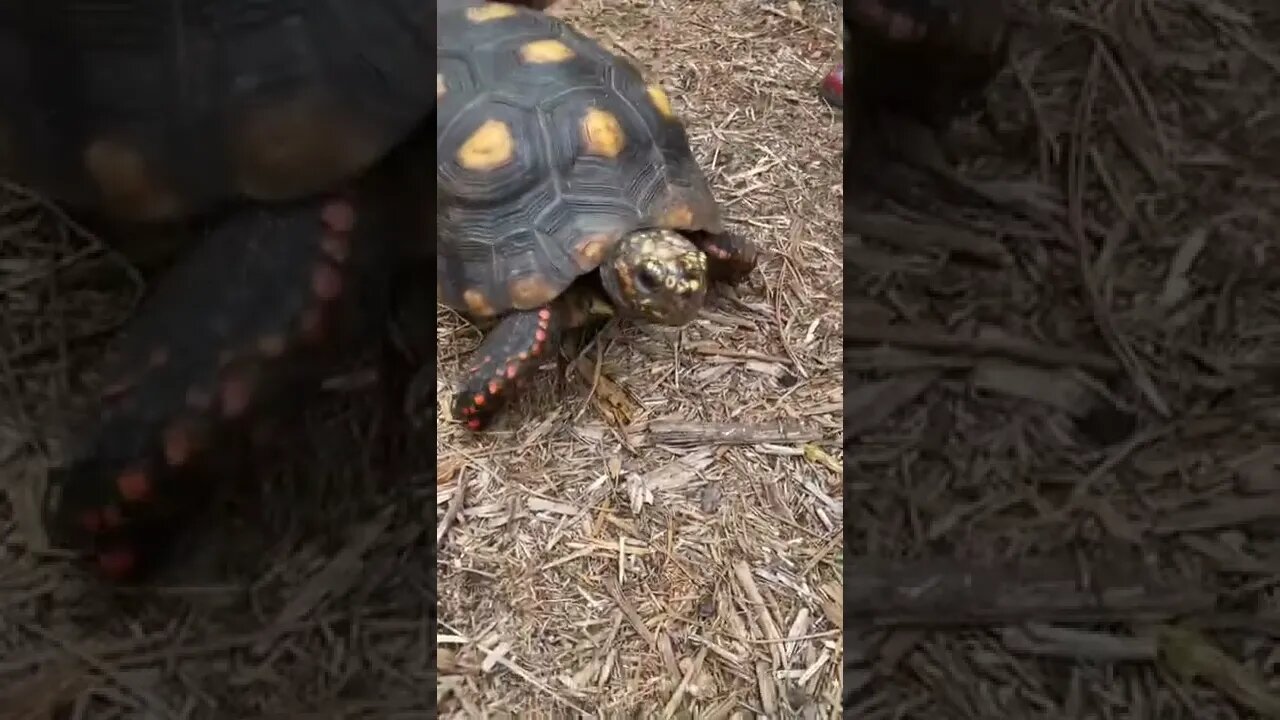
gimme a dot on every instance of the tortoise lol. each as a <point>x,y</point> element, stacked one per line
<point>566,187</point>
<point>278,146</point>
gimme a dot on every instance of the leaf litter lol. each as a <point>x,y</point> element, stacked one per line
<point>1061,475</point>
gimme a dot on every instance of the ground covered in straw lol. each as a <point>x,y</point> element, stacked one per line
<point>1063,428</point>
<point>656,529</point>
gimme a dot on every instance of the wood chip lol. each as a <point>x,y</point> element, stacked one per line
<point>1221,513</point>
<point>614,402</point>
<point>869,405</point>
<point>1071,644</point>
<point>677,433</point>
<point>1192,656</point>
<point>992,345</point>
<point>333,580</point>
<point>1056,388</point>
<point>643,489</point>
<point>940,592</point>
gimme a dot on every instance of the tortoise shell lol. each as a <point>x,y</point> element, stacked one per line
<point>152,111</point>
<point>549,150</point>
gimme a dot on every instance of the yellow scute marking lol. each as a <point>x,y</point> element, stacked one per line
<point>678,216</point>
<point>531,291</point>
<point>541,52</point>
<point>603,133</point>
<point>477,303</point>
<point>490,147</point>
<point>590,251</point>
<point>127,182</point>
<point>490,11</point>
<point>659,98</point>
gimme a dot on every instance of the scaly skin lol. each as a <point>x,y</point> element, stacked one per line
<point>240,332</point>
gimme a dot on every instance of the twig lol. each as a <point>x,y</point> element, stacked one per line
<point>103,667</point>
<point>868,405</point>
<point>1227,512</point>
<point>40,698</point>
<point>1191,655</point>
<point>131,655</point>
<point>938,339</point>
<point>331,581</point>
<point>628,610</point>
<point>673,704</point>
<point>455,507</point>
<point>694,433</point>
<point>501,659</point>
<point>742,572</point>
<point>1069,643</point>
<point>915,236</point>
<point>709,348</point>
<point>942,593</point>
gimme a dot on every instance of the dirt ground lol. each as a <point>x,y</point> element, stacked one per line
<point>1063,429</point>
<point>658,528</point>
<point>655,527</point>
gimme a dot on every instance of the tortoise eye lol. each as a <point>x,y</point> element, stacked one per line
<point>646,279</point>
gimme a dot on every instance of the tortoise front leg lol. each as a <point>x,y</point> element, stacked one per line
<point>514,348</point>
<point>730,257</point>
<point>239,332</point>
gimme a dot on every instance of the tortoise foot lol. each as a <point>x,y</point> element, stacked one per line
<point>515,347</point>
<point>235,336</point>
<point>510,352</point>
<point>832,87</point>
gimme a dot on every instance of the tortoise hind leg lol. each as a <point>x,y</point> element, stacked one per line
<point>515,347</point>
<point>237,333</point>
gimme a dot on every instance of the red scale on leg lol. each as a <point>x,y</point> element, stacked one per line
<point>111,517</point>
<point>326,282</point>
<point>177,448</point>
<point>234,396</point>
<point>339,216</point>
<point>117,563</point>
<point>91,521</point>
<point>134,486</point>
<point>311,326</point>
<point>114,390</point>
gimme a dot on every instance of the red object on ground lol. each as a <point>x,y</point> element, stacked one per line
<point>832,89</point>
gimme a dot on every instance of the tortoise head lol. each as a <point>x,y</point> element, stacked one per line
<point>658,275</point>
